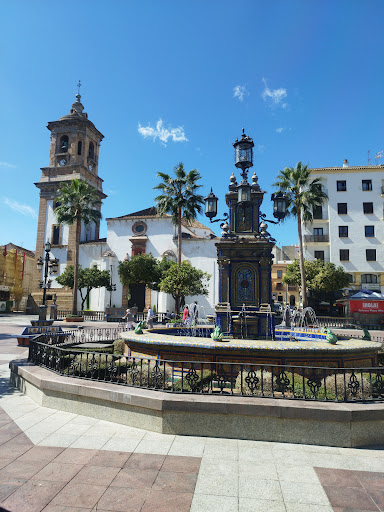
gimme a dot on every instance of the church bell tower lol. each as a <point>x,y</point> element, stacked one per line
<point>74,154</point>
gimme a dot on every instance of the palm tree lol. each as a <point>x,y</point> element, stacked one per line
<point>78,203</point>
<point>179,199</point>
<point>303,195</point>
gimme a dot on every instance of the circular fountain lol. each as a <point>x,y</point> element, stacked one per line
<point>301,344</point>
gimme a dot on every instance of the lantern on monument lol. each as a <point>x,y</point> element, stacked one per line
<point>210,205</point>
<point>279,205</point>
<point>243,152</point>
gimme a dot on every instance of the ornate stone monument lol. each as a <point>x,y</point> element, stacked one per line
<point>244,254</point>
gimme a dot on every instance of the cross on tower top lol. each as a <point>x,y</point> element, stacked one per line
<point>78,87</point>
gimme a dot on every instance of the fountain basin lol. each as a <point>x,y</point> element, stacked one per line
<point>347,353</point>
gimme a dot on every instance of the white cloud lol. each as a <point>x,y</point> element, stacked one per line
<point>239,92</point>
<point>24,209</point>
<point>6,164</point>
<point>279,130</point>
<point>260,148</point>
<point>275,95</point>
<point>162,133</point>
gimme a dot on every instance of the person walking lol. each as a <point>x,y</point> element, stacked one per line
<point>150,318</point>
<point>129,319</point>
<point>185,315</point>
<point>194,313</point>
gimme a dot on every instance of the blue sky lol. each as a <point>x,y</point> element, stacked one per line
<point>168,81</point>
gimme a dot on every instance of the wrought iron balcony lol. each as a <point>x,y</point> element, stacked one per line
<point>316,238</point>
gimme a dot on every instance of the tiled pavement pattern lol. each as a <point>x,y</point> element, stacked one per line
<point>353,490</point>
<point>53,479</point>
<point>62,462</point>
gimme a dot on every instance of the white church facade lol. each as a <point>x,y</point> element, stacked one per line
<point>74,151</point>
<point>148,233</point>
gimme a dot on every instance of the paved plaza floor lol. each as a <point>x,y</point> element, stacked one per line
<point>55,461</point>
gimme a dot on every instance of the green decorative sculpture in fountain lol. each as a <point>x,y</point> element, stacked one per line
<point>331,337</point>
<point>139,328</point>
<point>217,335</point>
<point>366,336</point>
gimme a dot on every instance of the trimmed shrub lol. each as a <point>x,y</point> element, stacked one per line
<point>94,365</point>
<point>118,347</point>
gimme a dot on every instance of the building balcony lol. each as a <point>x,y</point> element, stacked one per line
<point>323,218</point>
<point>316,238</point>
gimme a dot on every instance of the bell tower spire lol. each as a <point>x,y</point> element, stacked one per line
<point>74,154</point>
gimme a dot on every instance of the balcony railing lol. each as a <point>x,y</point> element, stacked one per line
<point>316,238</point>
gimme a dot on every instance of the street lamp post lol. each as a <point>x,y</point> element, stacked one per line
<point>112,287</point>
<point>50,267</point>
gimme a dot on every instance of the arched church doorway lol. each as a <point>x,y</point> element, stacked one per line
<point>137,292</point>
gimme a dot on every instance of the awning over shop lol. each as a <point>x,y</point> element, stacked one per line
<point>367,301</point>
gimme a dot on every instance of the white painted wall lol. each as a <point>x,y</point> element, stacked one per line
<point>90,255</point>
<point>201,253</point>
<point>59,253</point>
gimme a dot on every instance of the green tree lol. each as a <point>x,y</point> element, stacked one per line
<point>78,203</point>
<point>143,269</point>
<point>179,198</point>
<point>182,280</point>
<point>321,278</point>
<point>303,195</point>
<point>88,279</point>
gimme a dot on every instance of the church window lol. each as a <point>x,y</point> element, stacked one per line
<point>139,228</point>
<point>91,150</point>
<point>56,234</point>
<point>79,147</point>
<point>64,144</point>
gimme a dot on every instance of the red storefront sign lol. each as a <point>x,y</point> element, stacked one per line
<point>367,306</point>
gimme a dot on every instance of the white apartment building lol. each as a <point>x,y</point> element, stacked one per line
<point>348,229</point>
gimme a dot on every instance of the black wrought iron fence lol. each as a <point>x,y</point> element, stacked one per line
<point>231,379</point>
